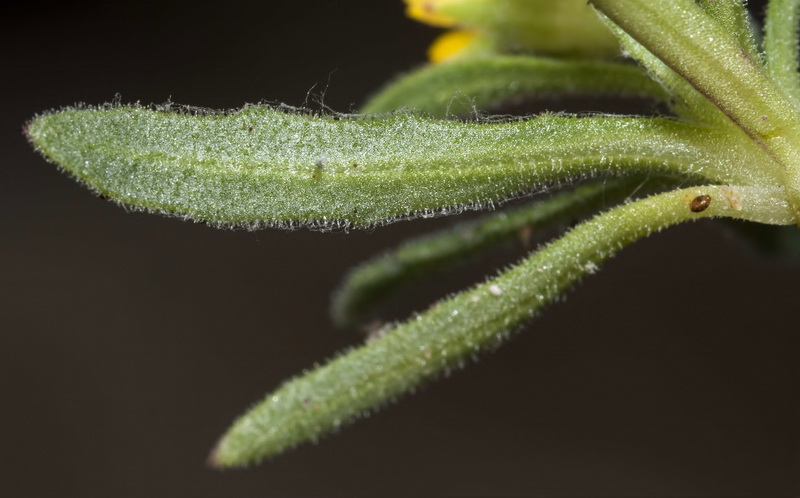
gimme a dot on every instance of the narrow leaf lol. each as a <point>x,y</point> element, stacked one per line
<point>328,397</point>
<point>461,87</point>
<point>261,166</point>
<point>372,281</point>
<point>781,45</point>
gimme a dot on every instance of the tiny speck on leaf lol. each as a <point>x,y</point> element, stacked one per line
<point>700,203</point>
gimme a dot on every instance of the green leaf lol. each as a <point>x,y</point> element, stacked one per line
<point>461,87</point>
<point>456,329</point>
<point>261,166</point>
<point>372,281</point>
<point>780,45</point>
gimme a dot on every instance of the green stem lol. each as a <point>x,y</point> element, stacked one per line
<point>712,61</point>
<point>734,18</point>
<point>305,408</point>
<point>780,45</point>
<point>685,101</point>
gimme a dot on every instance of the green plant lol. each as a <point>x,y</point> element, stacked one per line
<point>731,150</point>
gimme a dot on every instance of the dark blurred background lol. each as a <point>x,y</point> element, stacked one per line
<point>130,341</point>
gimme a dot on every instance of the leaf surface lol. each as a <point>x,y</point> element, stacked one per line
<point>265,167</point>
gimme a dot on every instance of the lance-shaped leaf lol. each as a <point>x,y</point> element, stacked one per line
<point>780,45</point>
<point>460,87</point>
<point>372,281</point>
<point>455,329</point>
<point>261,166</point>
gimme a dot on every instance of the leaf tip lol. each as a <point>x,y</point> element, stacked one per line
<point>28,131</point>
<point>227,454</point>
<point>212,461</point>
<point>215,459</point>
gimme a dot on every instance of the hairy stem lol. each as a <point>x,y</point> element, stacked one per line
<point>734,18</point>
<point>682,35</point>
<point>780,45</point>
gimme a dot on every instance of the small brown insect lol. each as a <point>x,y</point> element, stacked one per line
<point>700,203</point>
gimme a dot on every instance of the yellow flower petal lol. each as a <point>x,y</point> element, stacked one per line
<point>450,44</point>
<point>562,28</point>
<point>427,11</point>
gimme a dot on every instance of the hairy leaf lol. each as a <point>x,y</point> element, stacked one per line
<point>262,166</point>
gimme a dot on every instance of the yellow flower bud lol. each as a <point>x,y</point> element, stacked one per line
<point>450,44</point>
<point>429,12</point>
<point>562,28</point>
